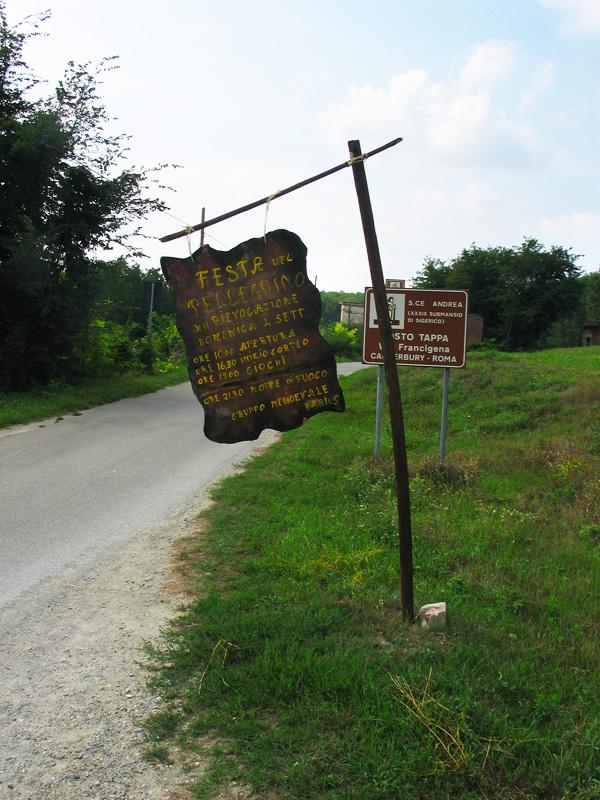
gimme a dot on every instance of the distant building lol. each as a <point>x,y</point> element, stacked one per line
<point>474,329</point>
<point>352,315</point>
<point>590,333</point>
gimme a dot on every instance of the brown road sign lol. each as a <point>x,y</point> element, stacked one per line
<point>249,318</point>
<point>429,327</point>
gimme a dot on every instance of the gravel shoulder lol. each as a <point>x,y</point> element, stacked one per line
<point>72,688</point>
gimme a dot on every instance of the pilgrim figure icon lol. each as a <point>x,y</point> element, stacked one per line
<point>392,310</point>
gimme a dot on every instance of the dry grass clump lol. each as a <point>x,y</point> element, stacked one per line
<point>450,474</point>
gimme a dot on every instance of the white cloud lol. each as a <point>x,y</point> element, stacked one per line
<point>487,62</point>
<point>308,79</point>
<point>581,16</point>
<point>373,108</point>
<point>541,80</point>
<point>578,230</point>
<point>578,223</point>
<point>462,120</point>
<point>478,163</point>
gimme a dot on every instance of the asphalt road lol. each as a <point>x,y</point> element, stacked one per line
<point>70,489</point>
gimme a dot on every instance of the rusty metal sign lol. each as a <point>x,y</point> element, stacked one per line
<point>429,327</point>
<point>249,318</point>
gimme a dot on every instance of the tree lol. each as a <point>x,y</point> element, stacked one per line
<point>330,304</point>
<point>434,275</point>
<point>591,296</point>
<point>520,292</point>
<point>63,195</point>
<point>121,293</point>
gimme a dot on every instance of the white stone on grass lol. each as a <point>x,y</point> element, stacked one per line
<point>432,615</point>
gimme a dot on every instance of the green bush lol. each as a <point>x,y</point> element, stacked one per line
<point>166,341</point>
<point>108,349</point>
<point>346,342</point>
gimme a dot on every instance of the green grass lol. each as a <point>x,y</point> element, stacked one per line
<point>293,659</point>
<point>17,408</point>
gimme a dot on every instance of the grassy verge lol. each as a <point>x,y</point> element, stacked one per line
<point>292,668</point>
<point>21,407</point>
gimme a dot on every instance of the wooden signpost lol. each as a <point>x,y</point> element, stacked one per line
<point>285,404</point>
<point>393,384</point>
<point>249,318</point>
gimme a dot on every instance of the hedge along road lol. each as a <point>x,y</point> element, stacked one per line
<point>71,489</point>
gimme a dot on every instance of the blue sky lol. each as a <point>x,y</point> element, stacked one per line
<point>498,102</point>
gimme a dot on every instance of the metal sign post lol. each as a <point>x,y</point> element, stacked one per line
<point>444,426</point>
<point>151,308</point>
<point>378,412</point>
